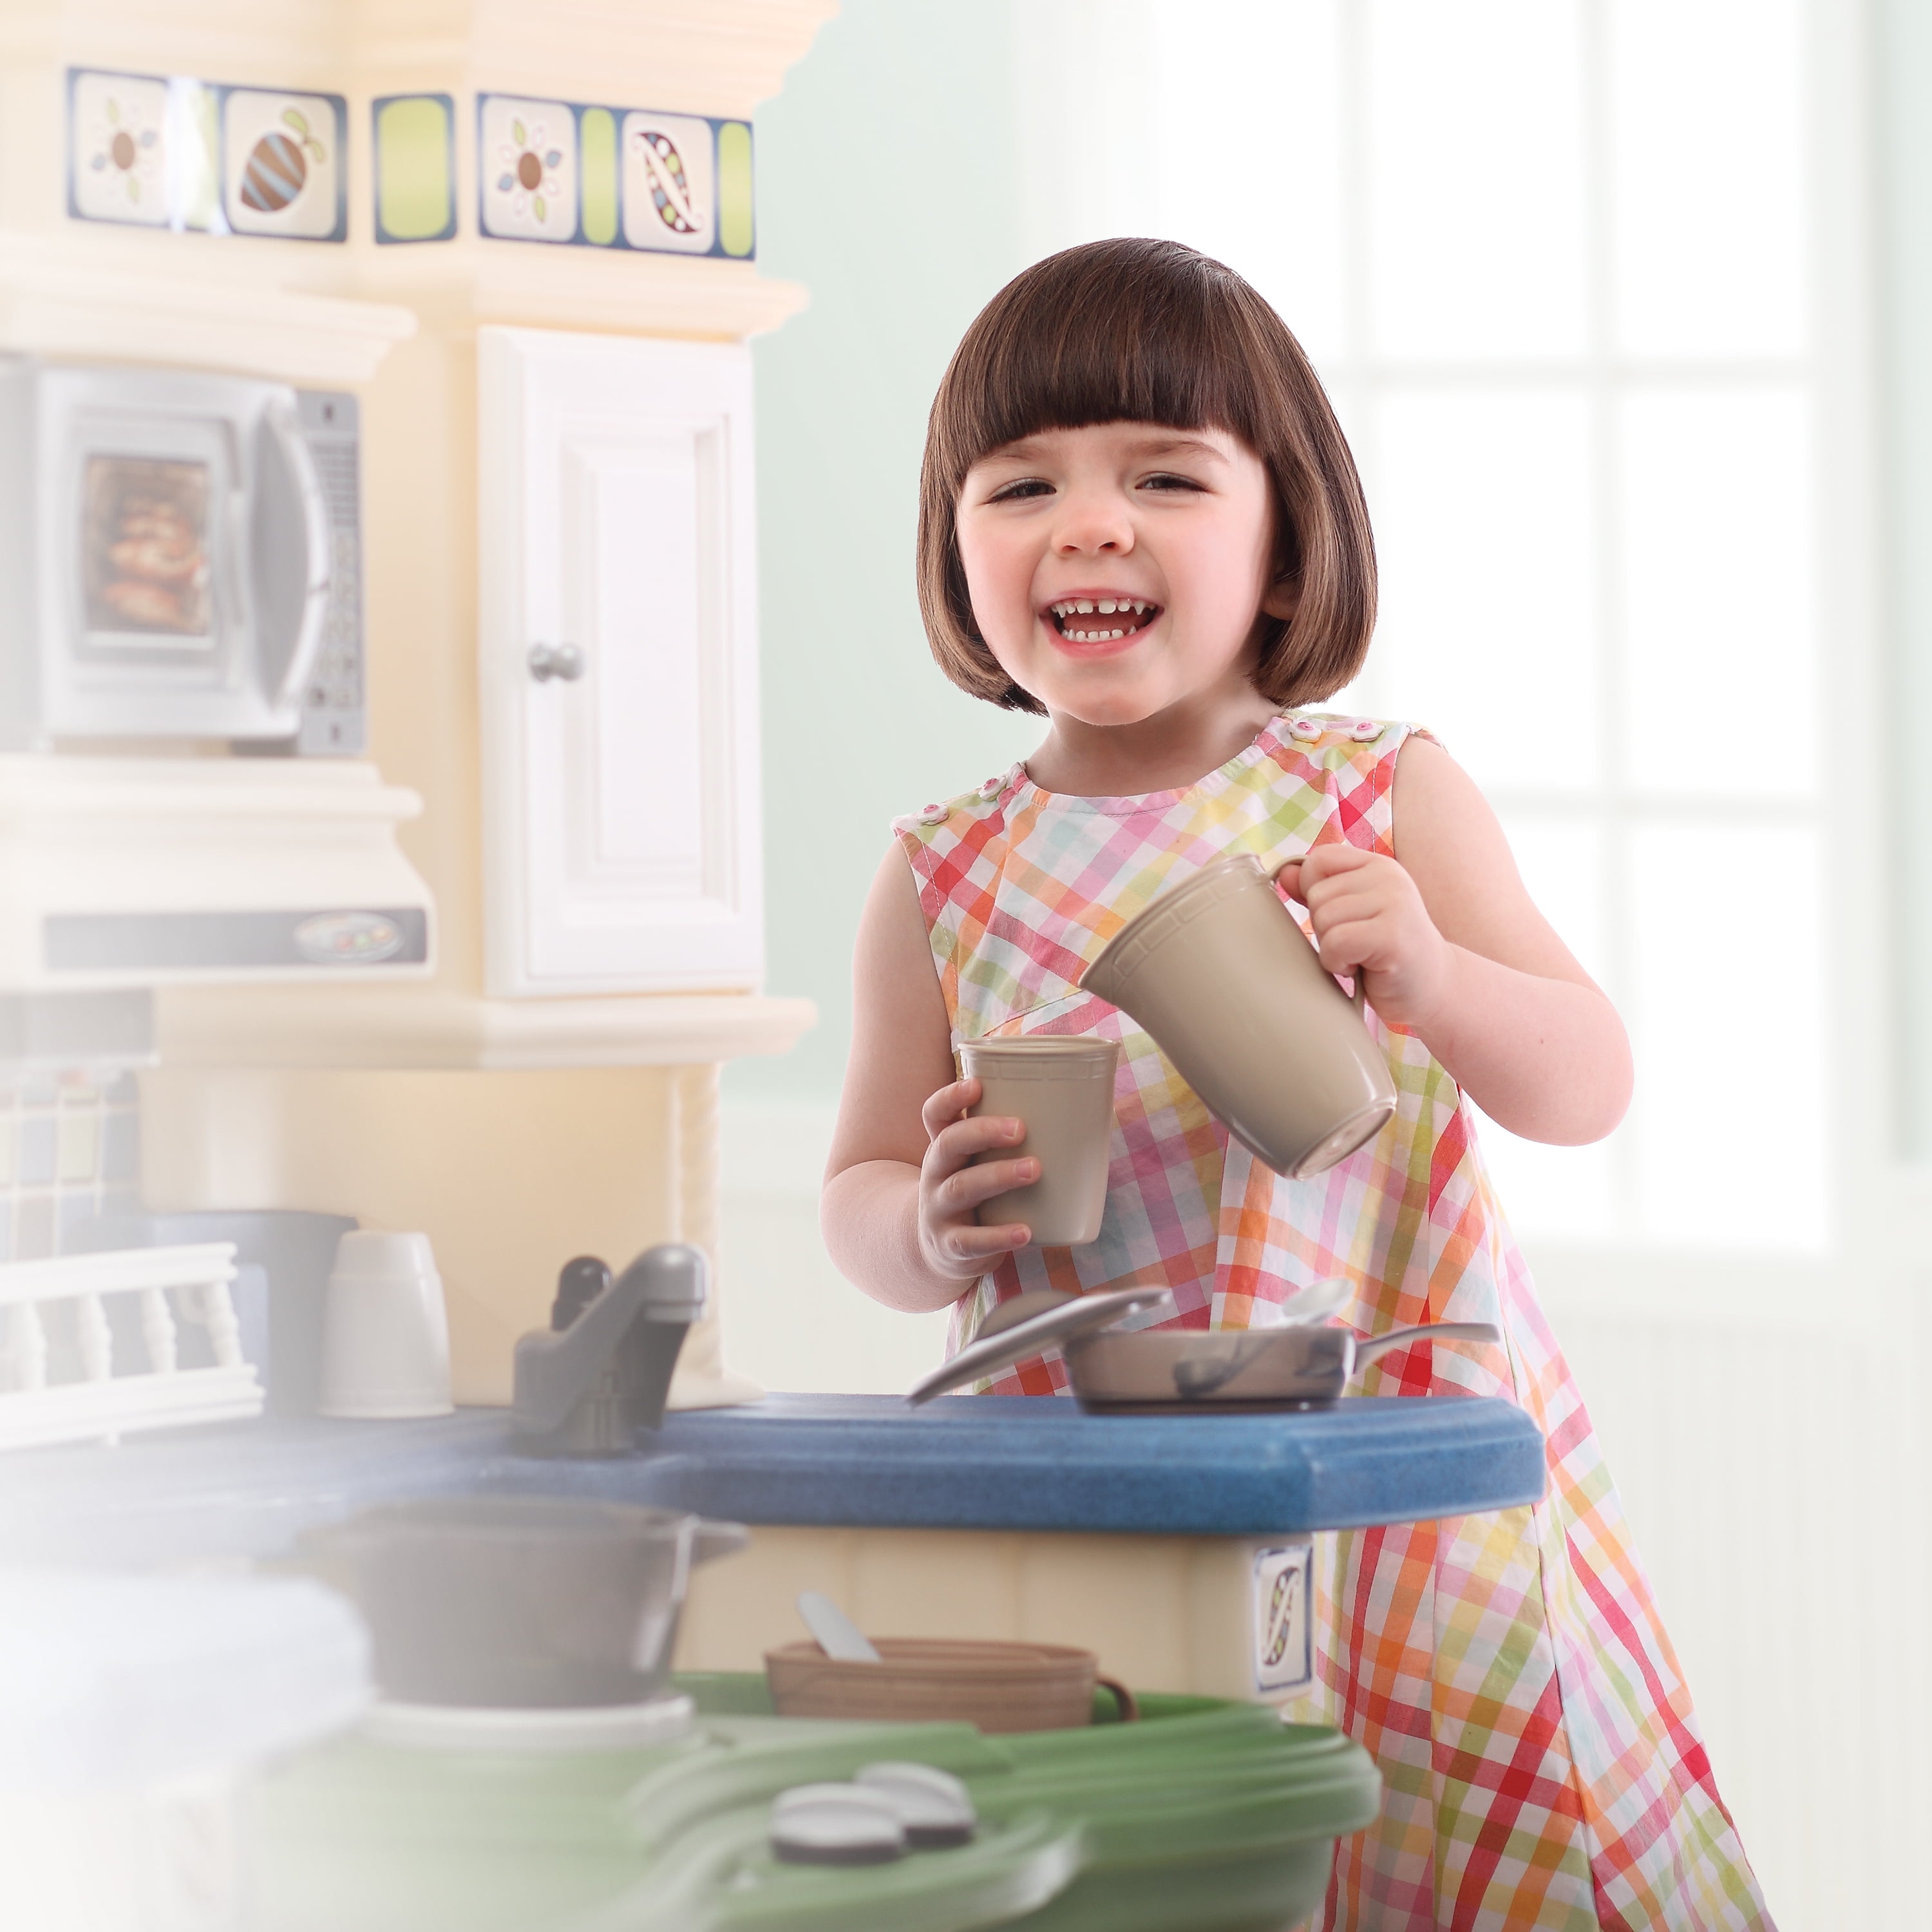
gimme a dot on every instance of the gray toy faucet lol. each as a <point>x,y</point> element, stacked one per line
<point>602,1370</point>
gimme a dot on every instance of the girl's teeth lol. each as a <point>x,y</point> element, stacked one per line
<point>1109,607</point>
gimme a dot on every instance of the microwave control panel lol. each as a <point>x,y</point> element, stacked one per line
<point>334,718</point>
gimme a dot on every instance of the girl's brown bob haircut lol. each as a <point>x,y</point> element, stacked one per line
<point>1151,331</point>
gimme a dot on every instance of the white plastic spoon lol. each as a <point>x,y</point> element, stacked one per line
<point>838,1635</point>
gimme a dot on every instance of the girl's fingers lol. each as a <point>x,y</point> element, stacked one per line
<point>1349,949</point>
<point>962,1191</point>
<point>1384,880</point>
<point>1349,909</point>
<point>1306,879</point>
<point>955,1144</point>
<point>966,1242</point>
<point>1326,862</point>
<point>947,1106</point>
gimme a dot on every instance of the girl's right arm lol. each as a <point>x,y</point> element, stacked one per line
<point>898,1206</point>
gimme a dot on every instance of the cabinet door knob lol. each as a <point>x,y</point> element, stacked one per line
<point>550,661</point>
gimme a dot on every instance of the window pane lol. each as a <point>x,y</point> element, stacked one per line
<point>1561,1193</point>
<point>1482,503</point>
<point>1706,116</point>
<point>1247,131</point>
<point>1080,181</point>
<point>1475,178</point>
<point>1727,1022</point>
<point>1717,590</point>
<point>1566,1193</point>
<point>1562,861</point>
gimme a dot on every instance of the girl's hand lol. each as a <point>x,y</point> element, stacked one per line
<point>951,1242</point>
<point>1369,919</point>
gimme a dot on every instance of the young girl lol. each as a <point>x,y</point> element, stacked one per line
<point>1139,519</point>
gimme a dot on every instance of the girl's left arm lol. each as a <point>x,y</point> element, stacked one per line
<point>1454,949</point>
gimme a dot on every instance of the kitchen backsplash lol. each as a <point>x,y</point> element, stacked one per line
<point>69,1149</point>
<point>177,152</point>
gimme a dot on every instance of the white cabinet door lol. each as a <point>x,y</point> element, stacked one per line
<point>620,804</point>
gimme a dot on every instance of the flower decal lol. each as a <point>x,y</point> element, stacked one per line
<point>119,148</point>
<point>530,162</point>
<point>132,151</point>
<point>529,176</point>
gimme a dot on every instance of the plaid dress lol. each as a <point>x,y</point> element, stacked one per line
<point>1542,1764</point>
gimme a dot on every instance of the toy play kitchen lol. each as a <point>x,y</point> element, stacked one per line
<point>281,1667</point>
<point>522,1573</point>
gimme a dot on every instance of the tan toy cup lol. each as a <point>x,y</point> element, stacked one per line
<point>1217,970</point>
<point>1061,1087</point>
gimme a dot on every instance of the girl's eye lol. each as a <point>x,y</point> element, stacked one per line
<point>1013,492</point>
<point>1167,480</point>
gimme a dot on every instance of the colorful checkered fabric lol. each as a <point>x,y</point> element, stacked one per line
<point>1542,1764</point>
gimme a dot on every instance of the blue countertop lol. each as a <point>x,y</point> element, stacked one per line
<point>1040,1463</point>
<point>1014,1462</point>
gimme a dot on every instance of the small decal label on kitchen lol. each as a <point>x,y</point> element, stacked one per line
<point>1284,1647</point>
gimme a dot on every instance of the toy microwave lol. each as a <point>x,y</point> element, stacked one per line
<point>179,559</point>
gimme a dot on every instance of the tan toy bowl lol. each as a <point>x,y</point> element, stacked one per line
<point>998,1686</point>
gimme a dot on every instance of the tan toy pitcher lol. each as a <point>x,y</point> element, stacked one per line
<point>1219,973</point>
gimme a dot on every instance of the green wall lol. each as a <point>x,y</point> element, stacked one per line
<point>887,185</point>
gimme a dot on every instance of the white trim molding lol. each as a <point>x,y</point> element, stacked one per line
<point>70,295</point>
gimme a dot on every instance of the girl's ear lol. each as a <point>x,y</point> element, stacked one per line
<point>1282,598</point>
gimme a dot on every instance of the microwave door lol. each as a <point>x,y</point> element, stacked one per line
<point>157,623</point>
<point>149,550</point>
<point>288,553</point>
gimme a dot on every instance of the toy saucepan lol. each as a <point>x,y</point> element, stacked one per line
<point>1177,1371</point>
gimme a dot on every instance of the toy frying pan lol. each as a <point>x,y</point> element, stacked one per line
<point>1177,1371</point>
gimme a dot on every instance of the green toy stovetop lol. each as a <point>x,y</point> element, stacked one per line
<point>1204,1817</point>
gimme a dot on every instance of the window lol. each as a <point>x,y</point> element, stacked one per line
<point>1553,259</point>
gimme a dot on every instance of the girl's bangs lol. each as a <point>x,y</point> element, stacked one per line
<point>1065,356</point>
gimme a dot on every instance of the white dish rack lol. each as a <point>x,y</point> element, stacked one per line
<point>59,1382</point>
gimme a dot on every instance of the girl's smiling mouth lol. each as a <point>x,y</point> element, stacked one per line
<point>1099,622</point>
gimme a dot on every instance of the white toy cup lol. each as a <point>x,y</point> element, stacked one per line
<point>384,1334</point>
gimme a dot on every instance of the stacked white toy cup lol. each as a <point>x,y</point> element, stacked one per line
<point>385,1333</point>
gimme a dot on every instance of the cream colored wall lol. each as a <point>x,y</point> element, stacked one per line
<point>791,1321</point>
<point>476,1160</point>
<point>419,522</point>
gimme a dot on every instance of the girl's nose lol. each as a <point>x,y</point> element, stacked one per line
<point>1093,525</point>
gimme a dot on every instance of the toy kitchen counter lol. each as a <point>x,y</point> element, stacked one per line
<point>1158,1542</point>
